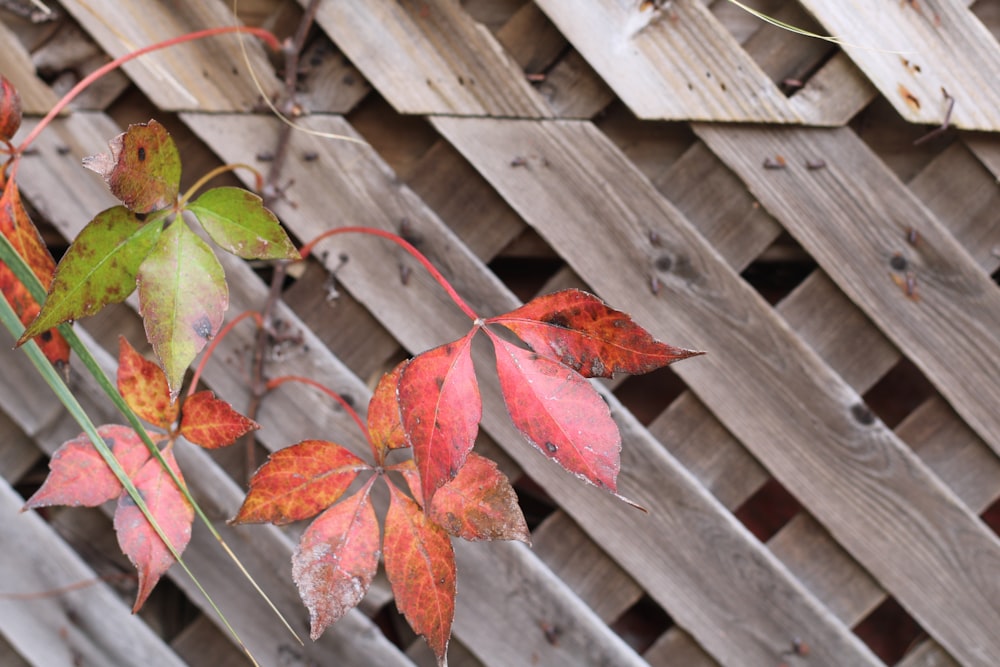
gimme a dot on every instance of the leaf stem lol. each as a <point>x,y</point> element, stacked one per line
<point>222,169</point>
<point>408,247</point>
<point>264,35</point>
<point>278,381</point>
<point>215,341</point>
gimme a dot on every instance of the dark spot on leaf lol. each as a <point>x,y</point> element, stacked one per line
<point>863,414</point>
<point>203,327</point>
<point>551,447</point>
<point>142,154</point>
<point>46,336</point>
<point>110,442</point>
<point>557,320</point>
<point>126,499</point>
<point>141,217</point>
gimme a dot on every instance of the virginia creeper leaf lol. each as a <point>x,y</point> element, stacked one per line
<point>211,423</point>
<point>99,268</point>
<point>297,482</point>
<point>420,565</point>
<point>440,407</point>
<point>17,227</point>
<point>143,169</point>
<point>10,109</point>
<point>559,412</point>
<point>80,477</point>
<point>136,536</point>
<point>336,560</point>
<point>479,504</point>
<point>584,333</point>
<point>144,386</point>
<point>238,222</point>
<point>182,297</point>
<point>385,428</point>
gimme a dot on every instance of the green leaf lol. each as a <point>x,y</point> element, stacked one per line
<point>182,298</point>
<point>143,169</point>
<point>238,222</point>
<point>99,268</point>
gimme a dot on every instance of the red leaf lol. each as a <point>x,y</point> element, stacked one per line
<point>298,482</point>
<point>408,469</point>
<point>385,428</point>
<point>560,413</point>
<point>211,423</point>
<point>25,239</point>
<point>336,559</point>
<point>440,406</point>
<point>80,477</point>
<point>584,333</point>
<point>420,564</point>
<point>479,504</point>
<point>10,109</point>
<point>143,169</point>
<point>144,386</point>
<point>136,536</point>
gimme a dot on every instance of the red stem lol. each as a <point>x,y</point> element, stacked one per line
<point>408,247</point>
<point>215,341</point>
<point>266,36</point>
<point>278,381</point>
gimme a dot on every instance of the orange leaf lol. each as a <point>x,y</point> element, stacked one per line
<point>385,427</point>
<point>336,559</point>
<point>440,407</point>
<point>584,333</point>
<point>80,477</point>
<point>298,482</point>
<point>136,536</point>
<point>560,413</point>
<point>479,504</point>
<point>420,564</point>
<point>211,423</point>
<point>144,386</point>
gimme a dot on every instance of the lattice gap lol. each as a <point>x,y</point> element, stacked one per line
<point>642,624</point>
<point>779,269</point>
<point>768,510</point>
<point>898,393</point>
<point>890,632</point>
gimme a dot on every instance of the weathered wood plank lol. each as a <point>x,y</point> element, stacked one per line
<point>93,625</point>
<point>914,51</point>
<point>675,62</point>
<point>853,217</point>
<point>895,501</point>
<point>366,194</point>
<point>209,74</point>
<point>430,57</point>
<point>15,64</point>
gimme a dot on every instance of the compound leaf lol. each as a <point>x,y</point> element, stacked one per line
<point>336,560</point>
<point>212,423</point>
<point>559,412</point>
<point>239,223</point>
<point>584,333</point>
<point>182,297</point>
<point>440,407</point>
<point>420,565</point>
<point>299,481</point>
<point>143,169</point>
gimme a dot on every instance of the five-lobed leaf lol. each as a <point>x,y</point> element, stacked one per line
<point>298,482</point>
<point>79,475</point>
<point>143,169</point>
<point>559,412</point>
<point>144,387</point>
<point>440,407</point>
<point>136,536</point>
<point>99,268</point>
<point>385,426</point>
<point>238,222</point>
<point>580,331</point>
<point>212,423</point>
<point>336,560</point>
<point>420,565</point>
<point>182,297</point>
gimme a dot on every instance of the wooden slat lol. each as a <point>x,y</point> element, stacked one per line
<point>677,62</point>
<point>430,57</point>
<point>863,483</point>
<point>209,74</point>
<point>713,590</point>
<point>913,50</point>
<point>90,625</point>
<point>16,65</point>
<point>853,217</point>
